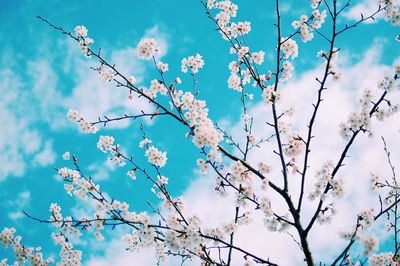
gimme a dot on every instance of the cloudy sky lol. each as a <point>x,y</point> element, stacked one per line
<point>43,74</point>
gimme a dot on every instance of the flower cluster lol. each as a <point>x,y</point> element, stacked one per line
<point>315,3</point>
<point>163,67</point>
<point>234,82</point>
<point>374,182</point>
<point>227,10</point>
<point>180,237</point>
<point>106,144</point>
<point>203,165</point>
<point>76,184</point>
<point>268,94</point>
<point>289,48</point>
<point>238,78</point>
<point>156,157</point>
<point>332,65</point>
<point>155,88</point>
<point>294,146</point>
<point>265,206</point>
<point>85,127</point>
<point>190,240</point>
<point>68,255</point>
<point>326,214</point>
<point>56,215</point>
<point>264,168</point>
<point>324,177</point>
<point>242,52</point>
<point>392,11</point>
<point>389,83</point>
<point>275,225</point>
<point>193,62</point>
<point>337,186</point>
<point>360,120</point>
<point>239,173</point>
<point>106,74</point>
<point>287,71</point>
<point>241,28</point>
<point>366,218</point>
<point>147,48</point>
<point>143,237</point>
<point>229,29</point>
<point>84,41</point>
<point>82,188</point>
<point>306,28</point>
<point>258,57</point>
<point>240,176</point>
<point>81,31</point>
<point>387,258</point>
<point>370,244</point>
<point>204,133</point>
<point>29,255</point>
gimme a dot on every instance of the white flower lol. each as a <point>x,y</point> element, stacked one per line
<point>265,206</point>
<point>162,66</point>
<point>85,127</point>
<point>107,74</point>
<point>162,179</point>
<point>370,244</point>
<point>144,143</point>
<point>105,144</point>
<point>287,71</point>
<point>156,157</point>
<point>73,115</point>
<point>290,48</point>
<point>147,48</point>
<point>382,259</point>
<point>267,94</point>
<point>66,156</point>
<point>131,174</point>
<point>258,57</point>
<point>81,31</point>
<point>264,168</point>
<point>193,62</point>
<point>244,27</point>
<point>132,80</point>
<point>84,45</point>
<point>243,51</point>
<point>234,82</point>
<point>204,167</point>
<point>157,87</point>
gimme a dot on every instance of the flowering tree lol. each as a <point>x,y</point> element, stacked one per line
<point>274,189</point>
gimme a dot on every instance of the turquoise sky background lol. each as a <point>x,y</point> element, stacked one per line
<point>40,68</point>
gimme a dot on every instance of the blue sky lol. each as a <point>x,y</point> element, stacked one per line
<point>43,74</point>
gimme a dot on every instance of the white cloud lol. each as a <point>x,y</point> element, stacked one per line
<point>366,155</point>
<point>46,156</point>
<point>365,7</point>
<point>21,201</point>
<point>44,93</point>
<point>31,141</point>
<point>101,171</point>
<point>19,139</point>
